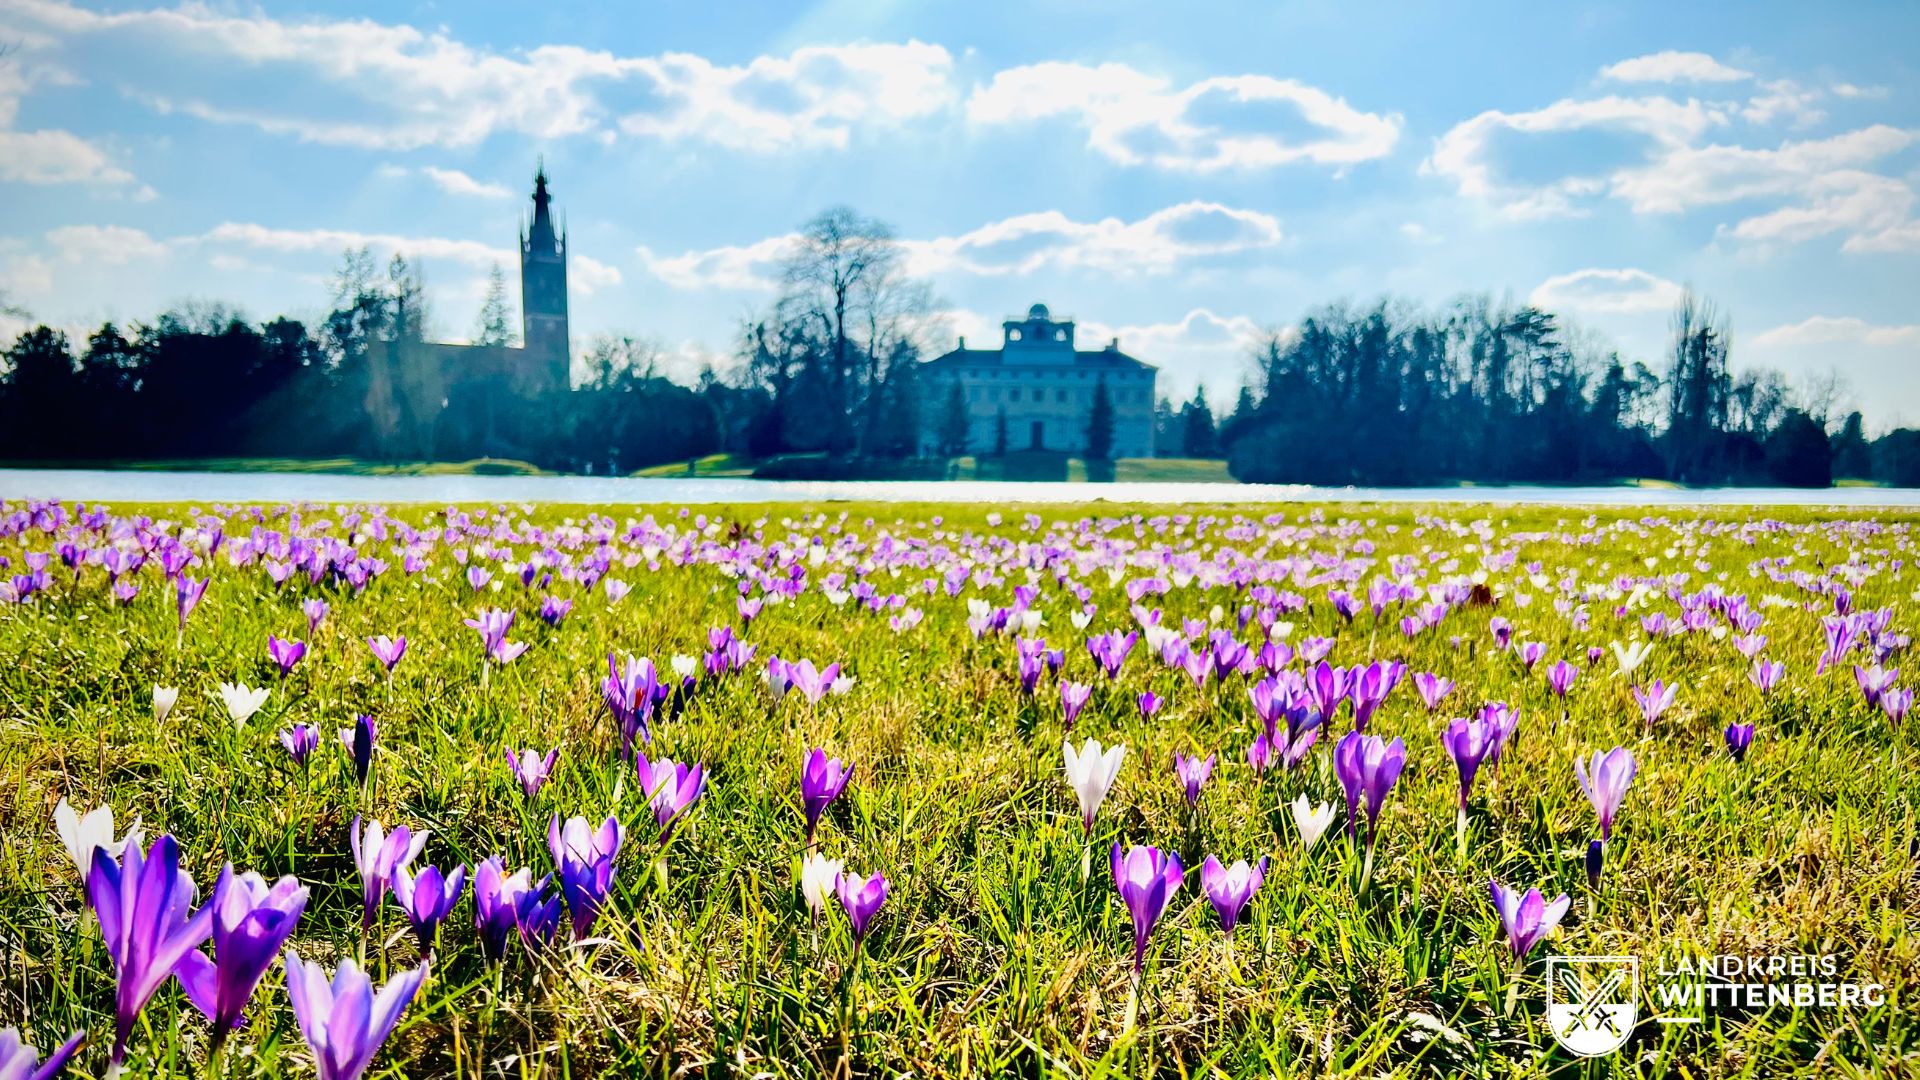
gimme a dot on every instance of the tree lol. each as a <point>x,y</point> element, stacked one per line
<point>495,324</point>
<point>1196,426</point>
<point>1699,390</point>
<point>1850,454</point>
<point>954,422</point>
<point>1798,454</point>
<point>1099,424</point>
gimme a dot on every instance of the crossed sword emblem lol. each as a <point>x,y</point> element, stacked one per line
<point>1591,1007</point>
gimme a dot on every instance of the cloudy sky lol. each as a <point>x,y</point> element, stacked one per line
<point>1180,175</point>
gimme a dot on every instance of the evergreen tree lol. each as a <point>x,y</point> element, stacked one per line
<point>1100,424</point>
<point>1850,456</point>
<point>1197,436</point>
<point>495,324</point>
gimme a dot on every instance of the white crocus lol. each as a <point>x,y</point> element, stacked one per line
<point>81,835</point>
<point>818,877</point>
<point>841,685</point>
<point>1090,772</point>
<point>1080,619</point>
<point>1629,657</point>
<point>242,701</point>
<point>163,699</point>
<point>685,666</point>
<point>1312,821</point>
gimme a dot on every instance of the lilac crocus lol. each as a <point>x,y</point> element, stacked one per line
<point>285,654</point>
<point>861,898</point>
<point>630,695</point>
<point>1874,681</point>
<point>315,610</point>
<point>377,855</point>
<point>1528,918</point>
<point>1192,773</point>
<point>1073,698</point>
<point>1433,689</point>
<point>1739,738</point>
<point>1231,888</point>
<point>1655,699</point>
<point>553,610</point>
<point>388,650</point>
<point>585,858</point>
<point>427,898</point>
<point>344,1021</point>
<point>19,1061</point>
<point>1896,703</point>
<point>251,922</point>
<point>187,595</point>
<point>1606,782</point>
<point>1531,653</point>
<point>671,788</point>
<point>492,625</point>
<point>1560,677</point>
<point>822,779</point>
<point>1149,704</point>
<point>1146,878</point>
<point>530,770</point>
<point>142,905</point>
<point>300,740</point>
<point>1368,768</point>
<point>498,901</point>
<point>1467,743</point>
<point>1766,674</point>
<point>359,741</point>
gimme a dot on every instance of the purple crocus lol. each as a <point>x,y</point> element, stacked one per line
<point>1766,674</point>
<point>498,899</point>
<point>1531,653</point>
<point>1606,782</point>
<point>359,741</point>
<point>1231,888</point>
<point>285,654</point>
<point>316,612</point>
<point>1367,767</point>
<point>1654,699</point>
<point>1528,919</point>
<point>630,696</point>
<point>388,650</point>
<point>1149,703</point>
<point>1193,773</point>
<point>251,921</point>
<point>427,899</point>
<point>377,855</point>
<point>1467,743</point>
<point>300,740</point>
<point>19,1061</point>
<point>142,904</point>
<point>530,769</point>
<point>553,610</point>
<point>1896,703</point>
<point>187,595</point>
<point>1433,689</point>
<point>585,858</point>
<point>671,788</point>
<point>1596,861</point>
<point>1560,677</point>
<point>861,898</point>
<point>1147,878</point>
<point>1739,737</point>
<point>344,1022</point>
<point>492,625</point>
<point>1073,698</point>
<point>821,780</point>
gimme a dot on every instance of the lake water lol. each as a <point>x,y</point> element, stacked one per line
<point>94,485</point>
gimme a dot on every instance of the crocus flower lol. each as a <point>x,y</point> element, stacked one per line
<point>1606,782</point>
<point>1739,737</point>
<point>1655,699</point>
<point>1149,703</point>
<point>163,701</point>
<point>1433,689</point>
<point>497,899</point>
<point>1192,773</point>
<point>344,1022</point>
<point>242,701</point>
<point>251,921</point>
<point>1560,677</point>
<point>300,741</point>
<point>316,612</point>
<point>1767,674</point>
<point>1090,772</point>
<point>819,878</point>
<point>1528,919</point>
<point>187,595</point>
<point>1073,698</point>
<point>1146,878</point>
<point>359,741</point>
<point>1874,681</point>
<point>1231,888</point>
<point>553,610</point>
<point>285,654</point>
<point>671,788</point>
<point>1630,657</point>
<point>530,769</point>
<point>19,1061</point>
<point>427,899</point>
<point>388,651</point>
<point>1896,703</point>
<point>630,697</point>
<point>1367,768</point>
<point>82,836</point>
<point>378,854</point>
<point>1312,821</point>
<point>862,899</point>
<point>821,780</point>
<point>492,625</point>
<point>142,904</point>
<point>1467,743</point>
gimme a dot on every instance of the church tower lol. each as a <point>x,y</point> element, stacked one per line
<point>543,293</point>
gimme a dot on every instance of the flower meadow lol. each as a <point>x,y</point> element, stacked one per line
<point>883,789</point>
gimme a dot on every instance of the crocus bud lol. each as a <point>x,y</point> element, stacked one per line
<point>1596,855</point>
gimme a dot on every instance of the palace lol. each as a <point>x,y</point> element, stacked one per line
<point>1039,388</point>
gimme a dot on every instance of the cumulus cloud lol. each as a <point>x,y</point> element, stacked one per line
<point>1606,292</point>
<point>103,244</point>
<point>455,182</point>
<point>1838,330</point>
<point>584,274</point>
<point>1225,122</point>
<point>1022,244</point>
<point>1672,66</point>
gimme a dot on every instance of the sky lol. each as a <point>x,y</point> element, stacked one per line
<point>1182,176</point>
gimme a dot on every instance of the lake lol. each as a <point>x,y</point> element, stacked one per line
<point>97,485</point>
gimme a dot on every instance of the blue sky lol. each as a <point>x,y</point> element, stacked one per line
<point>1182,176</point>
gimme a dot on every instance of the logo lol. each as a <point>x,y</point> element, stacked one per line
<point>1592,1001</point>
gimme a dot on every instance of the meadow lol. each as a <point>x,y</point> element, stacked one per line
<point>956,660</point>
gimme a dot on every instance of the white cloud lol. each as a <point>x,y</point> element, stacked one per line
<point>359,82</point>
<point>1138,119</point>
<point>103,244</point>
<point>1841,330</point>
<point>58,157</point>
<point>584,274</point>
<point>1022,244</point>
<point>1876,213</point>
<point>1606,292</point>
<point>1673,66</point>
<point>455,182</point>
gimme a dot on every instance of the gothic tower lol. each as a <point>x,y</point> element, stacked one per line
<point>543,293</point>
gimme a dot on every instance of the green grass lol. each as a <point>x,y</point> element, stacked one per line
<point>992,956</point>
<point>342,465</point>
